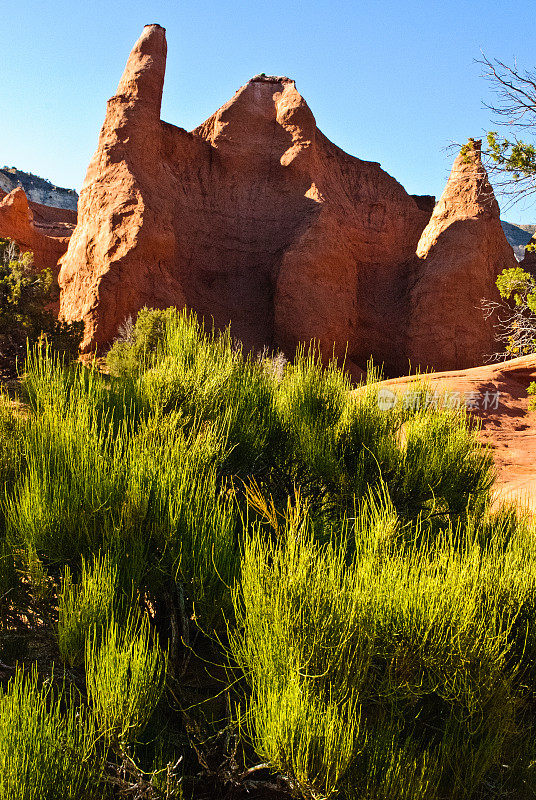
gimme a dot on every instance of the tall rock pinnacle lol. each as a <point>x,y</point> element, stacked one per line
<point>143,78</point>
<point>116,256</point>
<point>468,194</point>
<point>459,255</point>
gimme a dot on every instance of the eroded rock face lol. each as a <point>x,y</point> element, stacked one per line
<point>257,219</point>
<point>42,229</point>
<point>254,217</point>
<point>459,255</point>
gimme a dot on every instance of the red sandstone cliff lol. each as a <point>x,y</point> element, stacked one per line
<point>42,229</point>
<point>256,218</point>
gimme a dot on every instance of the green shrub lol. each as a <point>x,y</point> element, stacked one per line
<point>443,468</point>
<point>311,401</point>
<point>125,673</point>
<point>289,425</point>
<point>46,750</point>
<point>388,673</point>
<point>382,616</point>
<point>178,523</point>
<point>72,484</point>
<point>102,475</point>
<point>209,380</point>
<point>86,607</point>
<point>137,343</point>
<point>26,295</point>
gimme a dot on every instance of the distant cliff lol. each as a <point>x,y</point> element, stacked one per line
<point>518,237</point>
<point>37,189</point>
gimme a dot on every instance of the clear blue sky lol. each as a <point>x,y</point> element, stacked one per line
<point>393,82</point>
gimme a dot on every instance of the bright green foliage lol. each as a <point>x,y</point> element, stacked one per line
<point>125,673</point>
<point>103,475</point>
<point>138,342</point>
<point>207,377</point>
<point>532,392</point>
<point>311,403</point>
<point>441,469</point>
<point>46,750</point>
<point>143,466</point>
<point>176,520</point>
<point>389,673</point>
<point>72,481</point>
<point>85,607</point>
<point>517,282</point>
<point>382,616</point>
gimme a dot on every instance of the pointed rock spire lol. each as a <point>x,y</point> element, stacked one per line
<point>143,78</point>
<point>460,253</point>
<point>468,194</point>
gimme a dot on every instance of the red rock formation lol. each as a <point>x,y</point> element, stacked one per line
<point>254,217</point>
<point>42,229</point>
<point>459,255</point>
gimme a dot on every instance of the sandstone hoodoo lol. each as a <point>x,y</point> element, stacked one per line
<point>257,219</point>
<point>42,229</point>
<point>254,218</point>
<point>459,255</point>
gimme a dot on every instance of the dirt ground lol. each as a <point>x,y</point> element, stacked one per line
<point>497,395</point>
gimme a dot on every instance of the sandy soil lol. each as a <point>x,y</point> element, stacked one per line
<point>507,424</point>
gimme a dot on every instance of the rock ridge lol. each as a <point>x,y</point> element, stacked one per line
<point>38,228</point>
<point>37,189</point>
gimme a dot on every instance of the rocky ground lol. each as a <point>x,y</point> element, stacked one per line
<point>496,394</point>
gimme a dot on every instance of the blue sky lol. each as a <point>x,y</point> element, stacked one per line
<point>393,82</point>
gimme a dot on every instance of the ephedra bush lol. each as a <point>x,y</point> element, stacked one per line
<point>378,669</point>
<point>45,752</point>
<point>239,561</point>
